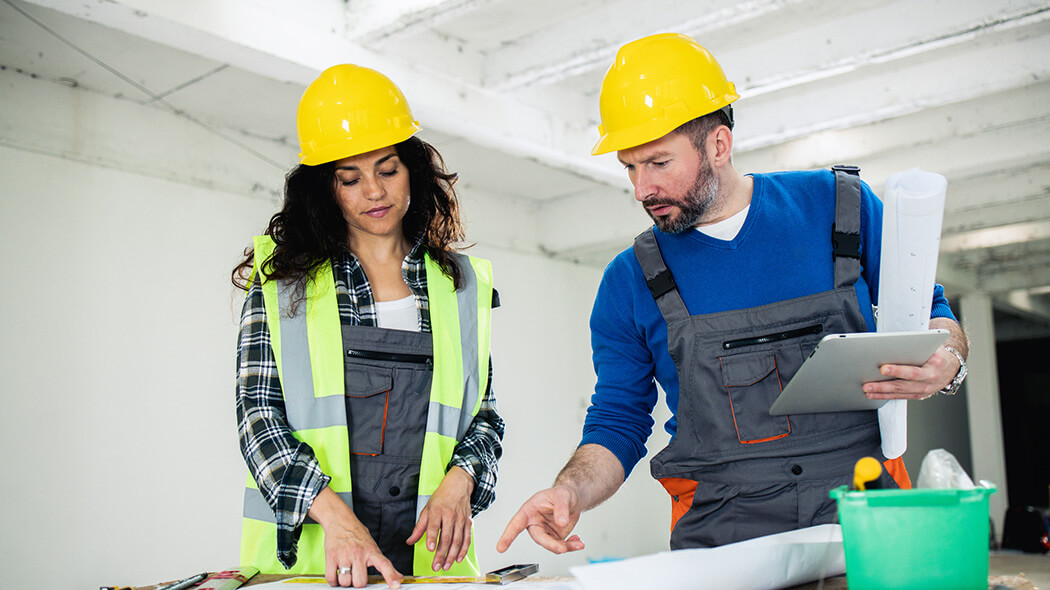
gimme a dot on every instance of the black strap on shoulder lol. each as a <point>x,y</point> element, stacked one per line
<point>661,283</point>
<point>658,277</point>
<point>844,244</point>
<point>845,231</point>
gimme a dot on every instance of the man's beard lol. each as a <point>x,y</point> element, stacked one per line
<point>692,207</point>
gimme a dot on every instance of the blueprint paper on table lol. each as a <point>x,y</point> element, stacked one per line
<point>766,563</point>
<point>911,237</point>
<point>313,582</point>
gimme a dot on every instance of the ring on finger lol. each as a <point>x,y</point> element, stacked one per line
<point>344,570</point>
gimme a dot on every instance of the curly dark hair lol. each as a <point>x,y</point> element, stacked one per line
<point>310,229</point>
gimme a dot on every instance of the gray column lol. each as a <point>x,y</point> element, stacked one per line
<point>982,398</point>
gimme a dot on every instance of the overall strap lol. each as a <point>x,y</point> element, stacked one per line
<point>845,232</point>
<point>658,277</point>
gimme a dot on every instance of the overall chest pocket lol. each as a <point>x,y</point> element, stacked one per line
<point>752,380</point>
<point>387,399</point>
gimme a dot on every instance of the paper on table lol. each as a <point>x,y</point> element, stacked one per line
<point>765,563</point>
<point>309,582</point>
<point>911,236</point>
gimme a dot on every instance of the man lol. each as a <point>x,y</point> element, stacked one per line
<point>720,304</point>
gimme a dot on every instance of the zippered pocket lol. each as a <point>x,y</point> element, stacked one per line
<point>404,358</point>
<point>394,357</point>
<point>774,337</point>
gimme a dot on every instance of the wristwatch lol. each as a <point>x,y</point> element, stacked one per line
<point>953,387</point>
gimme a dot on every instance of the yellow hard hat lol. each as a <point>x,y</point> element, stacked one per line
<point>349,110</point>
<point>656,84</point>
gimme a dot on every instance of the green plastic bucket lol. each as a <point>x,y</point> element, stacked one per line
<point>923,538</point>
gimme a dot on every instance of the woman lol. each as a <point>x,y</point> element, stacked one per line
<point>363,401</point>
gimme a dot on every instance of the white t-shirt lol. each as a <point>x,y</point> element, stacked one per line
<point>398,315</point>
<point>727,229</point>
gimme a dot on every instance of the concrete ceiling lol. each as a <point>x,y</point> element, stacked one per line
<point>508,92</point>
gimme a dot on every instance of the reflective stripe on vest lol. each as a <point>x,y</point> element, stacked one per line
<point>461,347</point>
<point>307,347</point>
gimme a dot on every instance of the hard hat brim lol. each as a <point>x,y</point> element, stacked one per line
<point>636,135</point>
<point>315,155</point>
<point>632,137</point>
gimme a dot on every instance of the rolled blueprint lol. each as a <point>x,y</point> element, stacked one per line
<point>911,236</point>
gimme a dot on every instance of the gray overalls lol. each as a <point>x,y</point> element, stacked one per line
<point>388,376</point>
<point>759,474</point>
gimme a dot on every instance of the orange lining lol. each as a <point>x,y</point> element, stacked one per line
<point>681,491</point>
<point>896,469</point>
<point>382,433</point>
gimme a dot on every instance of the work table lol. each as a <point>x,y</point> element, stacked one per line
<point>1001,565</point>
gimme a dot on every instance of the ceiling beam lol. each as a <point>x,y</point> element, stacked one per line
<point>1031,231</point>
<point>739,33</point>
<point>997,214</point>
<point>383,21</point>
<point>1021,279</point>
<point>960,141</point>
<point>258,36</point>
<point>1030,305</point>
<point>899,32</point>
<point>245,34</point>
<point>1026,179</point>
<point>882,91</point>
<point>56,125</point>
<point>954,278</point>
<point>561,51</point>
<point>1004,268</point>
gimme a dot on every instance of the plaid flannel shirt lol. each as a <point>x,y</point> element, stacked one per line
<point>285,469</point>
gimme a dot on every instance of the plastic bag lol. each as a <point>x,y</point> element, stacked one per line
<point>940,469</point>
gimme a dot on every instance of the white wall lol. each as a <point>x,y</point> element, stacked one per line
<point>119,225</point>
<point>119,437</point>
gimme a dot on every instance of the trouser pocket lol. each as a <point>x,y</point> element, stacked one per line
<point>726,513</point>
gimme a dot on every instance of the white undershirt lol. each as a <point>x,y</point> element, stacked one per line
<point>398,315</point>
<point>728,228</point>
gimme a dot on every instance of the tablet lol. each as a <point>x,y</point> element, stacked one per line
<point>830,380</point>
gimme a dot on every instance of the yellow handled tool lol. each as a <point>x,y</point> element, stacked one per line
<point>866,473</point>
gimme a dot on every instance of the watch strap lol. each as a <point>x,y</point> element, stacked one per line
<point>953,387</point>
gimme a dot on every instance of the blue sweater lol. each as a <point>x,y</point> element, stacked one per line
<point>783,251</point>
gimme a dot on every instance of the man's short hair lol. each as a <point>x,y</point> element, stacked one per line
<point>699,128</point>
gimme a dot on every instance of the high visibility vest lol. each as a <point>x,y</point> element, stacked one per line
<point>308,349</point>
